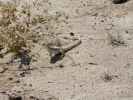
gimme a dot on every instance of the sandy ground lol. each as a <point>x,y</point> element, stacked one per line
<point>100,68</point>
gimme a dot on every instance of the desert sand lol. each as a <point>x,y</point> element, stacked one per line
<point>99,68</point>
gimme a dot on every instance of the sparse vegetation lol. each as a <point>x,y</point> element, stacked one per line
<point>107,77</point>
<point>116,41</point>
<point>20,28</point>
<point>65,49</point>
<point>12,34</point>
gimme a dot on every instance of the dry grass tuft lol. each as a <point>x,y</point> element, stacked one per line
<point>12,34</point>
<point>23,23</point>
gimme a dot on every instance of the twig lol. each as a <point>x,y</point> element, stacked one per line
<point>57,53</point>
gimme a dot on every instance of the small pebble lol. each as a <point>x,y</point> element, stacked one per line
<point>2,70</point>
<point>71,33</point>
<point>10,78</point>
<point>22,74</point>
<point>17,81</point>
<point>61,66</point>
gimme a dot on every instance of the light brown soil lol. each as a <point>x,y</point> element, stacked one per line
<point>100,68</point>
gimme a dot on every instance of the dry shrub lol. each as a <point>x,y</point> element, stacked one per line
<point>25,21</point>
<point>10,31</point>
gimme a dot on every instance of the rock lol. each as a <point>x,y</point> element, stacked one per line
<point>119,1</point>
<point>15,98</point>
<point>2,70</point>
